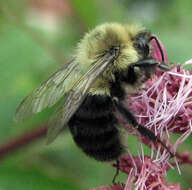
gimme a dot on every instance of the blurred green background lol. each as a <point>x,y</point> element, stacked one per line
<point>36,38</point>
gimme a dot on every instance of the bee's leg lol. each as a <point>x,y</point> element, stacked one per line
<point>150,135</point>
<point>145,63</point>
<point>142,130</point>
<point>117,165</point>
<point>126,113</point>
<point>151,63</point>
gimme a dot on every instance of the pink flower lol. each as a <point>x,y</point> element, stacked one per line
<point>166,104</point>
<point>149,175</point>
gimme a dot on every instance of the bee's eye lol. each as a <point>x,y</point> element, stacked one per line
<point>141,43</point>
<point>146,50</point>
<point>142,47</point>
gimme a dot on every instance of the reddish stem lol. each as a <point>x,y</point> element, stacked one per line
<point>35,134</point>
<point>22,140</point>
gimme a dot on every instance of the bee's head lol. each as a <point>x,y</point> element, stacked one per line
<point>133,42</point>
<point>149,62</point>
<point>144,52</point>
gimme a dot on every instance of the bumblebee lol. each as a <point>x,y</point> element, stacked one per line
<point>111,61</point>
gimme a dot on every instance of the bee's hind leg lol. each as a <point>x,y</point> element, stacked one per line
<point>117,165</point>
<point>141,129</point>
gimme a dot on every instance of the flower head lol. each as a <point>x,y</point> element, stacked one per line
<point>150,174</point>
<point>165,106</point>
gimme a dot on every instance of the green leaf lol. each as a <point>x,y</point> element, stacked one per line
<point>17,178</point>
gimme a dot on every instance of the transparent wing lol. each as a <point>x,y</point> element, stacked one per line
<point>50,91</point>
<point>75,97</point>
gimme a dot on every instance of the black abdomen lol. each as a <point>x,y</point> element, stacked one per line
<point>94,130</point>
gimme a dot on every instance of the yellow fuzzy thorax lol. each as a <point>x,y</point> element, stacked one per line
<point>100,40</point>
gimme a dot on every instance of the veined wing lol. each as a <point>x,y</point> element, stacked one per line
<point>50,91</point>
<point>76,95</point>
